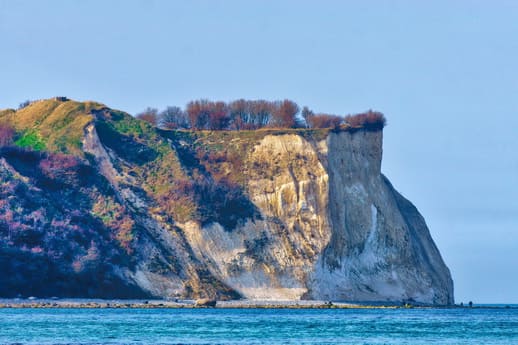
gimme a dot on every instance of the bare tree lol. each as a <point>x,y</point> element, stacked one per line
<point>197,112</point>
<point>173,118</point>
<point>306,115</point>
<point>239,114</point>
<point>218,114</point>
<point>261,111</point>
<point>284,114</point>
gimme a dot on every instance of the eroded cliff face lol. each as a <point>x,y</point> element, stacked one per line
<point>272,257</point>
<point>165,264</point>
<point>269,214</point>
<point>333,228</point>
<point>380,248</point>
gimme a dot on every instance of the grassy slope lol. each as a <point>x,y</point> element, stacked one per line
<point>61,229</point>
<point>51,125</point>
<point>65,220</point>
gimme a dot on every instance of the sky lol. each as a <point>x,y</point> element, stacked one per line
<point>445,74</point>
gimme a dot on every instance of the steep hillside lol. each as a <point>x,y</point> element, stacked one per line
<point>101,204</point>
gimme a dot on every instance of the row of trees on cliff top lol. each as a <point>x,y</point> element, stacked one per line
<point>249,115</point>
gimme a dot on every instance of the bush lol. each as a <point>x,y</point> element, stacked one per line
<point>324,121</point>
<point>60,167</point>
<point>208,201</point>
<point>244,114</point>
<point>371,120</point>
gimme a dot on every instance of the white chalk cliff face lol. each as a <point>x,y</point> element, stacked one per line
<point>282,214</point>
<point>332,228</point>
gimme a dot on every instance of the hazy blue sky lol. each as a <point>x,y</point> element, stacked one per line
<point>445,73</point>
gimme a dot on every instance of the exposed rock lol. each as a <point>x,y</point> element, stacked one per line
<point>334,228</point>
<point>265,215</point>
<point>205,302</point>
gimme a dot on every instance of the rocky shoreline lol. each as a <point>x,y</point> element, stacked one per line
<point>172,304</point>
<point>32,302</point>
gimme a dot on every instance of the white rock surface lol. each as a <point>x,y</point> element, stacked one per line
<point>333,228</point>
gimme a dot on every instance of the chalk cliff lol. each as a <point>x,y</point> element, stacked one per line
<point>268,214</point>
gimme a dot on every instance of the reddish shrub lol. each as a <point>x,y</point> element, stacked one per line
<point>324,121</point>
<point>124,233</point>
<point>179,201</point>
<point>244,114</point>
<point>371,120</point>
<point>60,167</point>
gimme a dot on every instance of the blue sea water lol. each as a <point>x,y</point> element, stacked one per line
<point>259,326</point>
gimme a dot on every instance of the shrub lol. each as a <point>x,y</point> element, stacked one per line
<point>208,201</point>
<point>60,167</point>
<point>124,233</point>
<point>324,121</point>
<point>244,114</point>
<point>371,120</point>
<point>178,201</point>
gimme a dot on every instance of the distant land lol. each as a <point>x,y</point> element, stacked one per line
<point>250,199</point>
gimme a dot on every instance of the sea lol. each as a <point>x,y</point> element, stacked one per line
<point>414,326</point>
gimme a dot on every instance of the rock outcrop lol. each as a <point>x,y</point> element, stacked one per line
<point>271,214</point>
<point>333,228</point>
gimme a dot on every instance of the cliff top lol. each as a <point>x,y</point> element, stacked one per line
<point>57,125</point>
<point>204,164</point>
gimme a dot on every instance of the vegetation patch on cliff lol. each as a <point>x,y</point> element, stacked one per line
<point>54,238</point>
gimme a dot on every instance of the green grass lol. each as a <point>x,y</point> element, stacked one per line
<point>31,139</point>
<point>52,125</point>
<point>125,124</point>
